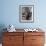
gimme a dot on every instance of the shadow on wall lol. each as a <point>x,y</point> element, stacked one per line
<point>2,26</point>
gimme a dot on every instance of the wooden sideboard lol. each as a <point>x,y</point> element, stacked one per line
<point>23,39</point>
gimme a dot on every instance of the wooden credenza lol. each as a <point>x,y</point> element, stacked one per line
<point>23,39</point>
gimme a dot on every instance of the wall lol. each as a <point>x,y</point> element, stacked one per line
<point>9,13</point>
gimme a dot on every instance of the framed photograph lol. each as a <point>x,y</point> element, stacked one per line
<point>26,13</point>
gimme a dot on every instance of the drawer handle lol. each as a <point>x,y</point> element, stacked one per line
<point>33,39</point>
<point>11,38</point>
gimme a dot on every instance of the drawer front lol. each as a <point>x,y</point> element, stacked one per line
<point>8,44</point>
<point>12,39</point>
<point>13,33</point>
<point>37,39</point>
<point>33,40</point>
<point>34,33</point>
<point>27,41</point>
<point>37,44</point>
<point>12,44</point>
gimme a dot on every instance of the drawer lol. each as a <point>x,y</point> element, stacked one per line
<point>37,39</point>
<point>27,41</point>
<point>12,38</point>
<point>18,44</point>
<point>27,37</point>
<point>13,41</point>
<point>5,40</point>
<point>8,39</point>
<point>8,44</point>
<point>34,39</point>
<point>13,33</point>
<point>37,44</point>
<point>34,33</point>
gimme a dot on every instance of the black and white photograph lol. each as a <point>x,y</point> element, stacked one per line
<point>26,13</point>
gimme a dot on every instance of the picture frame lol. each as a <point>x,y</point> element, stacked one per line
<point>26,13</point>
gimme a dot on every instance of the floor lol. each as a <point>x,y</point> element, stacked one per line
<point>0,44</point>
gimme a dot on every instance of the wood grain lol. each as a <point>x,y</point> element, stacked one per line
<point>23,39</point>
